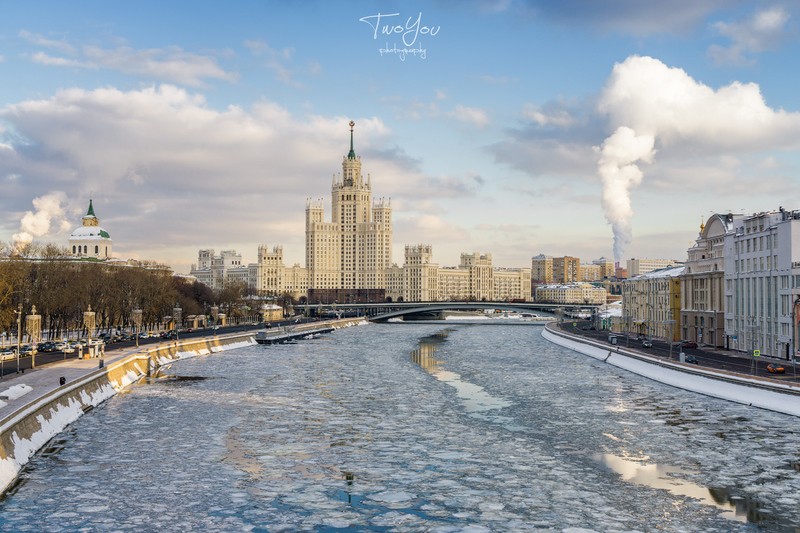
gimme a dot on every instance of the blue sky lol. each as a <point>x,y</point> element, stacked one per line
<point>582,128</point>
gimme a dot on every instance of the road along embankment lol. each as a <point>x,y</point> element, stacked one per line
<point>38,405</point>
<point>757,392</point>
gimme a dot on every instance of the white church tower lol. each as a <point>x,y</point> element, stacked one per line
<point>89,239</point>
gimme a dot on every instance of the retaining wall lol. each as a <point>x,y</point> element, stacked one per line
<point>24,431</point>
<point>757,392</point>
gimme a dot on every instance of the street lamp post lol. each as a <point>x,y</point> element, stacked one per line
<point>19,333</point>
<point>89,324</point>
<point>177,316</point>
<point>33,323</point>
<point>137,323</point>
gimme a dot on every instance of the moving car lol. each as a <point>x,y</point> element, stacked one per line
<point>47,347</point>
<point>775,368</point>
<point>684,344</point>
<point>692,359</point>
<point>647,344</point>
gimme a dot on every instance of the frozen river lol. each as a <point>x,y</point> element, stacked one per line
<point>412,428</point>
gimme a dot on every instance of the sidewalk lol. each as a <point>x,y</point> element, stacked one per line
<point>46,379</point>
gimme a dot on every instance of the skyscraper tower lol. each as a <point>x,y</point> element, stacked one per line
<point>354,250</point>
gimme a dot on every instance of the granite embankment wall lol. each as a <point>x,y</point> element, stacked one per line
<point>781,397</point>
<point>51,408</point>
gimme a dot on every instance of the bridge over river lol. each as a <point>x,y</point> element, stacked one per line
<point>383,311</point>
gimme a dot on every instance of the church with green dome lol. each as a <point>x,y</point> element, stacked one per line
<point>90,240</point>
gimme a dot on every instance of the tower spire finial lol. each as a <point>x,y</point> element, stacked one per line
<point>352,154</point>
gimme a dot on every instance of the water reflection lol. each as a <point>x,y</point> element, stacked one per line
<point>666,477</point>
<point>474,397</point>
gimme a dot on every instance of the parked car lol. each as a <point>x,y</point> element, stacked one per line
<point>692,359</point>
<point>7,353</point>
<point>647,344</point>
<point>26,349</point>
<point>775,368</point>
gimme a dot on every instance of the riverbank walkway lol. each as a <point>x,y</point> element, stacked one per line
<point>44,379</point>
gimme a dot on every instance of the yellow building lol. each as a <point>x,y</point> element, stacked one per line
<point>651,304</point>
<point>354,249</point>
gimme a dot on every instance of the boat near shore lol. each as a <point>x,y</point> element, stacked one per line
<point>284,335</point>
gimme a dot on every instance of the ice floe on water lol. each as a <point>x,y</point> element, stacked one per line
<point>412,428</point>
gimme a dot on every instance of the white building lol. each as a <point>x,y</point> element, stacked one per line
<point>762,283</point>
<point>90,240</point>
<point>637,267</point>
<point>218,270</point>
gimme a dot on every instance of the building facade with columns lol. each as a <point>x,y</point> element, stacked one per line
<point>762,283</point>
<point>703,283</point>
<point>351,255</point>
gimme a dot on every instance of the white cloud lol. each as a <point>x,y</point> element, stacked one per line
<point>763,31</point>
<point>51,61</point>
<point>557,117</point>
<point>649,104</point>
<point>646,95</point>
<point>49,212</point>
<point>172,64</point>
<point>470,115</point>
<point>169,174</point>
<point>41,40</point>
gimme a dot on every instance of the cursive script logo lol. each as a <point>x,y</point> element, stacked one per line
<point>389,24</point>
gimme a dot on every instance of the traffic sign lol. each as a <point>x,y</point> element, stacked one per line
<point>756,353</point>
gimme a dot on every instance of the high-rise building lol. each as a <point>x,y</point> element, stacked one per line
<point>354,249</point>
<point>349,259</point>
<point>566,269</point>
<point>542,269</point>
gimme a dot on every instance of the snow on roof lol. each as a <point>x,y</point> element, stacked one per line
<point>89,232</point>
<point>668,272</point>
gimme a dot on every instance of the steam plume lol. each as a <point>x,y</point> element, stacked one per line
<point>49,212</point>
<point>647,101</point>
<point>619,172</point>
